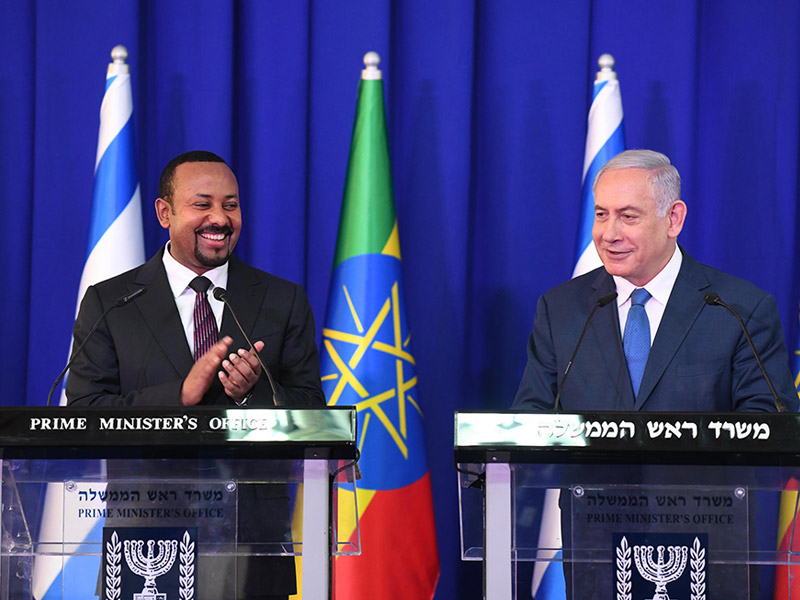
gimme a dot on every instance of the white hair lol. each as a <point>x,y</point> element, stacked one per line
<point>663,179</point>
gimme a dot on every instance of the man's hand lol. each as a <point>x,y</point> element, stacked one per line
<point>200,377</point>
<point>242,371</point>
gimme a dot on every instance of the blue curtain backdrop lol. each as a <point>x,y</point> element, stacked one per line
<point>487,104</point>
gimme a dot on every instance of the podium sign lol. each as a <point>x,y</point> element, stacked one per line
<point>647,505</point>
<point>205,503</point>
<point>661,539</point>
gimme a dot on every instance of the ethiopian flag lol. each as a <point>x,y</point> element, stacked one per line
<point>367,362</point>
<point>787,571</point>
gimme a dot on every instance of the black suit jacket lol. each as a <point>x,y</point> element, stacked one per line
<point>699,361</point>
<point>139,355</point>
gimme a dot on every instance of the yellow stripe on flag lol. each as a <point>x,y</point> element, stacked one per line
<point>787,513</point>
<point>392,247</point>
<point>347,522</point>
<point>297,534</point>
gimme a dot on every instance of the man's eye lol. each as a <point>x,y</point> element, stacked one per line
<point>231,206</point>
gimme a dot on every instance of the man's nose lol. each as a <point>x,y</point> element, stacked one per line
<point>217,216</point>
<point>612,231</point>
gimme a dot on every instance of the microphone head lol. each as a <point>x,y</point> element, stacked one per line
<point>123,300</point>
<point>220,294</point>
<point>712,298</point>
<point>606,299</point>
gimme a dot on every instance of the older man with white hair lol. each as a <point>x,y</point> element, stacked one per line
<point>660,344</point>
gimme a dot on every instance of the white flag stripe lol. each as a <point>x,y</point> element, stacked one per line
<point>51,551</point>
<point>117,251</point>
<point>605,115</point>
<point>588,261</point>
<point>549,537</point>
<point>115,112</point>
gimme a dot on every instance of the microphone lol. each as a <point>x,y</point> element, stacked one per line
<point>601,301</point>
<point>123,300</point>
<point>118,303</point>
<point>713,299</point>
<point>221,294</point>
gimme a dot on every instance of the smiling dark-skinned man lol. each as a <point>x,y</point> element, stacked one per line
<point>145,353</point>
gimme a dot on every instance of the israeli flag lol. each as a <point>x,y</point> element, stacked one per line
<point>116,245</point>
<point>116,241</point>
<point>548,573</point>
<point>605,138</point>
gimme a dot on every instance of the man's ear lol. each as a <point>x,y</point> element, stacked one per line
<point>676,215</point>
<point>163,212</point>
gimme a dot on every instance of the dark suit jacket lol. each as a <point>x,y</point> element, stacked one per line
<point>139,355</point>
<point>700,359</point>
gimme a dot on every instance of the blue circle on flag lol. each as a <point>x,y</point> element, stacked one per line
<point>367,362</point>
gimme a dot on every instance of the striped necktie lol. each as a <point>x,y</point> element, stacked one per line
<point>205,324</point>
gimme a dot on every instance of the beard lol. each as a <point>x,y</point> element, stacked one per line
<point>212,261</point>
<point>216,259</point>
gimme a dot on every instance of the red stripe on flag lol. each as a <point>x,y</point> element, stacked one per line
<point>399,558</point>
<point>787,572</point>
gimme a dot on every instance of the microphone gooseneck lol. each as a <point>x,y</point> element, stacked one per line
<point>221,294</point>
<point>601,302</point>
<point>712,299</point>
<point>119,302</point>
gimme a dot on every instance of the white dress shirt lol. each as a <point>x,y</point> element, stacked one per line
<point>659,288</point>
<point>179,279</point>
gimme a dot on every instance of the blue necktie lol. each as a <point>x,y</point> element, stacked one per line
<point>637,337</point>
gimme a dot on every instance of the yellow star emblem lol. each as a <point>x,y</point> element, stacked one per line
<point>365,341</point>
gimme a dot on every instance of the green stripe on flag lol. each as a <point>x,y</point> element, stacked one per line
<point>368,215</point>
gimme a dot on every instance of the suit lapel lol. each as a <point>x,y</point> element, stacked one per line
<point>158,310</point>
<point>605,327</point>
<point>684,305</point>
<point>245,293</point>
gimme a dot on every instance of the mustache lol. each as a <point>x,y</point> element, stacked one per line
<point>214,229</point>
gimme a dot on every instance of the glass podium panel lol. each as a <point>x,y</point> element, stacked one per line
<point>218,524</point>
<point>635,518</point>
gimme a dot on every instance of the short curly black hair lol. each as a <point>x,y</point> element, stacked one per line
<point>166,185</point>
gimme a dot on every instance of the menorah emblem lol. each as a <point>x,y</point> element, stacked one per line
<point>659,571</point>
<point>150,566</point>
